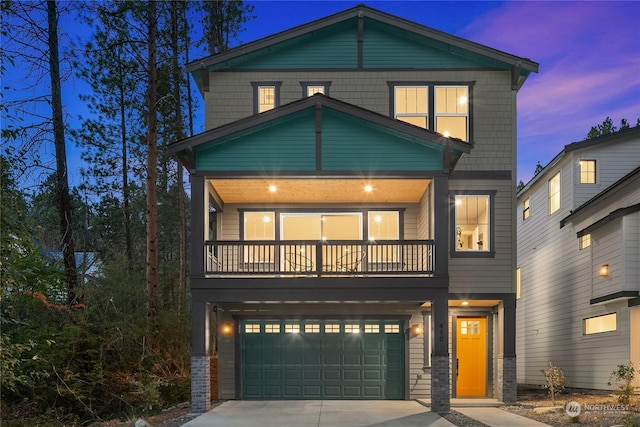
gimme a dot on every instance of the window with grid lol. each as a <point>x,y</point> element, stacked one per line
<point>472,223</point>
<point>411,105</point>
<point>587,171</point>
<point>266,96</point>
<point>554,193</point>
<point>450,104</point>
<point>452,111</point>
<point>585,241</point>
<point>259,226</point>
<point>311,88</point>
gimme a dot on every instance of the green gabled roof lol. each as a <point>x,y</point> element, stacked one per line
<point>364,38</point>
<point>319,134</point>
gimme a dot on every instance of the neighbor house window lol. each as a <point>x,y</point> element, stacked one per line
<point>518,283</point>
<point>526,211</point>
<point>554,193</point>
<point>441,108</point>
<point>472,222</point>
<point>587,171</point>
<point>311,88</point>
<point>598,324</point>
<point>266,96</point>
<point>452,111</point>
<point>585,241</point>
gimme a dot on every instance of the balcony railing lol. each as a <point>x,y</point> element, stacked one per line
<point>313,258</point>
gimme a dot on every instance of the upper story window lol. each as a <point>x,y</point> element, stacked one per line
<point>526,209</point>
<point>518,283</point>
<point>266,96</point>
<point>587,171</point>
<point>411,105</point>
<point>473,224</point>
<point>311,88</point>
<point>452,111</point>
<point>441,108</point>
<point>585,241</point>
<point>554,193</point>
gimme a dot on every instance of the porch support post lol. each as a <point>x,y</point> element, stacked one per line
<point>198,204</point>
<point>441,224</point>
<point>507,387</point>
<point>440,389</point>
<point>200,358</point>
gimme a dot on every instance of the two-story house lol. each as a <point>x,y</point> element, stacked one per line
<point>579,263</point>
<point>353,206</point>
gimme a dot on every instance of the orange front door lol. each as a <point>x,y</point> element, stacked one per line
<point>471,339</point>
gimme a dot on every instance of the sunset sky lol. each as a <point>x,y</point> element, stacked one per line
<point>588,51</point>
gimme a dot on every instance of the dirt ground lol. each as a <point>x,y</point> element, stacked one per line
<point>598,409</point>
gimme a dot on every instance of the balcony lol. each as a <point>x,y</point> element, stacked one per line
<point>304,258</point>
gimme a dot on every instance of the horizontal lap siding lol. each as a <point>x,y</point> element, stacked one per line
<point>336,50</point>
<point>363,148</point>
<point>288,146</point>
<point>382,50</point>
<point>558,281</point>
<point>488,274</point>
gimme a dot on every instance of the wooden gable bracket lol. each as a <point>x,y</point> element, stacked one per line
<point>515,75</point>
<point>205,77</point>
<point>318,120</point>
<point>188,158</point>
<point>447,159</point>
<point>360,38</point>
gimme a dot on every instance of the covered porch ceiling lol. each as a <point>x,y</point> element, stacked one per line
<point>320,190</point>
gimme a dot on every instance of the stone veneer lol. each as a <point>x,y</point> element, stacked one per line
<point>440,391</point>
<point>506,384</point>
<point>200,384</point>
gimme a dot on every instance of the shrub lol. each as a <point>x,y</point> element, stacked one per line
<point>624,375</point>
<point>554,381</point>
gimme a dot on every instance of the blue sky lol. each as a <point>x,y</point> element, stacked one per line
<point>588,51</point>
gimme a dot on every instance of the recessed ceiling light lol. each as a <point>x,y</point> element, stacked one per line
<point>465,302</point>
<point>272,188</point>
<point>368,188</point>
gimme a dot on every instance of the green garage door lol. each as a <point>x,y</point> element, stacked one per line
<point>322,359</point>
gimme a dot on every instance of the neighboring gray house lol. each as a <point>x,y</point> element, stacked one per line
<point>579,262</point>
<point>353,215</point>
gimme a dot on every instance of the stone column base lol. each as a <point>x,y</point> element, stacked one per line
<point>506,381</point>
<point>200,384</point>
<point>440,389</point>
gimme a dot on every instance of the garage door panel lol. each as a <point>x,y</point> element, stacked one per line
<point>321,360</point>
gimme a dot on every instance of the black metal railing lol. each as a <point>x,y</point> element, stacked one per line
<point>333,258</point>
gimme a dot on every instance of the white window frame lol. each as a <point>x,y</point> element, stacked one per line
<point>257,88</point>
<point>436,114</point>
<point>585,171</point>
<point>554,184</point>
<point>399,116</point>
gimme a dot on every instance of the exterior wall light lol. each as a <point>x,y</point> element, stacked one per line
<point>415,331</point>
<point>604,270</point>
<point>227,329</point>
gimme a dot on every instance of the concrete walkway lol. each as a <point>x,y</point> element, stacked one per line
<point>320,413</point>
<point>352,413</point>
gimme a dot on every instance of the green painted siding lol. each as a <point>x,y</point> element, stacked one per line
<point>335,48</point>
<point>385,50</point>
<point>288,145</point>
<point>320,365</point>
<point>347,146</point>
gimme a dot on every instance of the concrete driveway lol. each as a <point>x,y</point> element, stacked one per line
<point>319,413</point>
